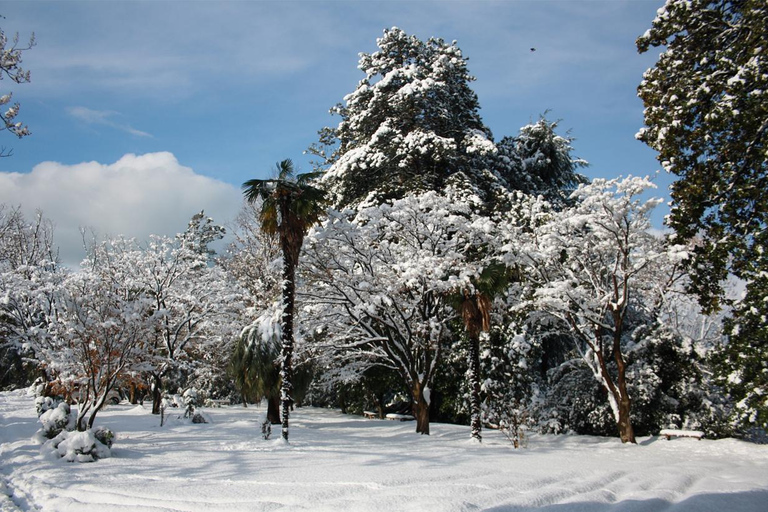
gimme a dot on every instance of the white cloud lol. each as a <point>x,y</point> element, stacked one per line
<point>135,196</point>
<point>104,118</point>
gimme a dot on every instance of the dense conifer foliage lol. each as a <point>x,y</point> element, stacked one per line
<point>707,116</point>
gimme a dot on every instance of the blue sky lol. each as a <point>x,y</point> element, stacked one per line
<point>209,94</point>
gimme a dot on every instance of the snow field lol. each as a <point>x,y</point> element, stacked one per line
<point>339,462</point>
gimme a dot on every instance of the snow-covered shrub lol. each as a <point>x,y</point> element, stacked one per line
<point>76,446</point>
<point>190,402</point>
<point>55,420</point>
<point>45,403</point>
<point>104,435</point>
<point>671,387</point>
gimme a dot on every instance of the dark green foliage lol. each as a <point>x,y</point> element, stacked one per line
<point>576,402</point>
<point>16,370</point>
<point>255,368</point>
<point>707,116</point>
<point>670,387</point>
<point>539,162</point>
<point>104,435</point>
<point>742,363</point>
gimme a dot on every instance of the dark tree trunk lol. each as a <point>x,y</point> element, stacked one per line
<point>626,431</point>
<point>273,409</point>
<point>474,386</point>
<point>420,410</point>
<point>132,393</point>
<point>290,257</point>
<point>157,394</point>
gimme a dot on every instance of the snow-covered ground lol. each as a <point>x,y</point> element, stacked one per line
<point>338,462</point>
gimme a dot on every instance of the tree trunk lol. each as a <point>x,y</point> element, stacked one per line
<point>273,409</point>
<point>626,432</point>
<point>286,371</point>
<point>157,394</point>
<point>474,386</point>
<point>132,393</point>
<point>420,410</point>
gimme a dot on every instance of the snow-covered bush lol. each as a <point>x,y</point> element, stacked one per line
<point>76,446</point>
<point>105,436</point>
<point>45,403</point>
<point>190,402</point>
<point>55,420</point>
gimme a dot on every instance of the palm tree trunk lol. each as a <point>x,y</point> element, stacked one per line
<point>286,371</point>
<point>474,386</point>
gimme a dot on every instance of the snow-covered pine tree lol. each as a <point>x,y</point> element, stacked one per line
<point>412,124</point>
<point>538,161</point>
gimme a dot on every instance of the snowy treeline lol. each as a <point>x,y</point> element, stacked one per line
<point>453,277</point>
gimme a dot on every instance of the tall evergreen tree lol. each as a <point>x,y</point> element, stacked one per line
<point>538,161</point>
<point>707,116</point>
<point>290,206</point>
<point>412,124</point>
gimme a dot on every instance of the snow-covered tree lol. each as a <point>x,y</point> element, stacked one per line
<point>707,116</point>
<point>412,124</point>
<point>29,278</point>
<point>379,279</point>
<point>10,67</point>
<point>474,305</point>
<point>194,303</point>
<point>538,161</point>
<point>253,258</point>
<point>592,266</point>
<point>98,330</point>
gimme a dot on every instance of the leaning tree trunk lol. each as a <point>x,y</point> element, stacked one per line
<point>420,409</point>
<point>622,403</point>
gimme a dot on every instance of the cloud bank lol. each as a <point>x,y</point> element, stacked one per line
<point>136,196</point>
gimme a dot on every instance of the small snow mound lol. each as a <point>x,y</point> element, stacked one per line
<point>279,444</point>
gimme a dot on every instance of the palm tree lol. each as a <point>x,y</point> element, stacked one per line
<point>475,308</point>
<point>290,206</point>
